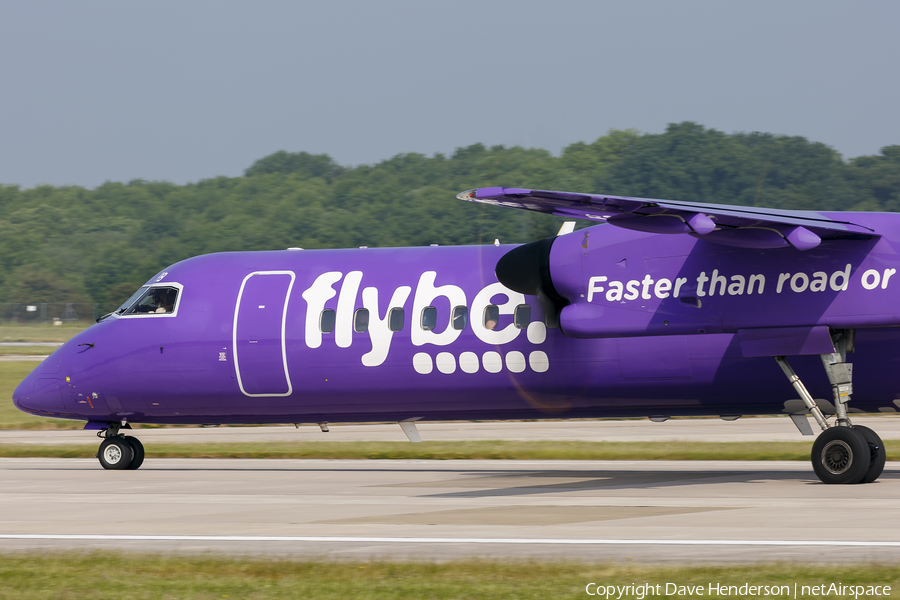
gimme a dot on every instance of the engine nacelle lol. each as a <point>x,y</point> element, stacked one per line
<point>606,281</point>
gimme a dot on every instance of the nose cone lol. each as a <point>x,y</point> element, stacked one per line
<point>39,394</point>
<point>22,391</point>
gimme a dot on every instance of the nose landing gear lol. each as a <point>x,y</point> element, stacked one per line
<point>118,452</point>
<point>843,453</point>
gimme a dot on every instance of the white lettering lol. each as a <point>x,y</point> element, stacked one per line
<point>379,329</point>
<point>781,279</point>
<point>845,275</point>
<point>316,296</point>
<point>343,326</point>
<point>645,287</point>
<point>594,288</point>
<point>819,282</point>
<point>871,279</point>
<point>761,279</point>
<point>733,285</point>
<point>426,293</point>
<point>482,299</point>
<point>799,282</point>
<point>662,287</point>
<point>701,281</point>
<point>615,291</point>
<point>632,287</point>
<point>717,280</point>
<point>737,285</point>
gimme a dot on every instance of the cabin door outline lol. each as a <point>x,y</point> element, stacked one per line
<point>263,295</point>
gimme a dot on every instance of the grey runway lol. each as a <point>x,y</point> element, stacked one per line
<point>659,511</point>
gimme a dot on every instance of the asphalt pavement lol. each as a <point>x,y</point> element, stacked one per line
<point>642,511</point>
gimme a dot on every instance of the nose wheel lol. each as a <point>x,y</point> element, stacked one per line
<point>115,453</point>
<point>118,452</point>
<point>137,450</point>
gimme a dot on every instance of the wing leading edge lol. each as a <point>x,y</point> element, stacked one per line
<point>740,226</point>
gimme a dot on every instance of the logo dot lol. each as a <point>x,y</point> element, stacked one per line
<point>422,363</point>
<point>538,361</point>
<point>515,362</point>
<point>468,362</point>
<point>446,363</point>
<point>537,332</point>
<point>492,362</point>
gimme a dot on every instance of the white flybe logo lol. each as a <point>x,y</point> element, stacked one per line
<point>322,290</point>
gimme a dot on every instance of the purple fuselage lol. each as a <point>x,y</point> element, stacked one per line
<point>654,325</point>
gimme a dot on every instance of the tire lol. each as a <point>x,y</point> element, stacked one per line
<point>877,454</point>
<point>137,449</point>
<point>841,455</point>
<point>115,453</point>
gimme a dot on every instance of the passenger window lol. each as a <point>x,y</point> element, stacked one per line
<point>522,316</point>
<point>395,319</point>
<point>460,317</point>
<point>156,300</point>
<point>326,321</point>
<point>361,320</point>
<point>429,318</point>
<point>491,316</point>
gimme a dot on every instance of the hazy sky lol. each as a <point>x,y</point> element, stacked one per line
<point>185,90</point>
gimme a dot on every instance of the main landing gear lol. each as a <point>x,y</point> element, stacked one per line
<point>843,452</point>
<point>119,452</point>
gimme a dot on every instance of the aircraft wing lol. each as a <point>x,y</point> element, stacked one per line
<point>740,226</point>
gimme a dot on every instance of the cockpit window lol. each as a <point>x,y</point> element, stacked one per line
<point>157,300</point>
<point>131,300</point>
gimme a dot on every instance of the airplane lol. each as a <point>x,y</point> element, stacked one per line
<point>658,309</point>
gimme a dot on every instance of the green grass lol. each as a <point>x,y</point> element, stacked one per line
<point>482,449</point>
<point>114,575</point>
<point>41,333</point>
<point>29,350</point>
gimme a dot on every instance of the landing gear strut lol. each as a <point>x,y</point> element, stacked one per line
<point>843,453</point>
<point>119,452</point>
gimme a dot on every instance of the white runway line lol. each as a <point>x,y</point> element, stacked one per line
<point>420,540</point>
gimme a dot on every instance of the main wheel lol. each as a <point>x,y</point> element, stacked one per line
<point>137,449</point>
<point>877,454</point>
<point>841,455</point>
<point>115,453</point>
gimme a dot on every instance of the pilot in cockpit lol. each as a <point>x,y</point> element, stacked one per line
<point>153,301</point>
<point>164,300</point>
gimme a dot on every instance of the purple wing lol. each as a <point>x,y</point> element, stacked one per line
<point>740,226</point>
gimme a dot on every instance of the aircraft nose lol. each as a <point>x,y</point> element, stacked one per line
<point>38,394</point>
<point>23,392</point>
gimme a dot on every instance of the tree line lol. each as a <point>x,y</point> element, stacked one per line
<point>72,244</point>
